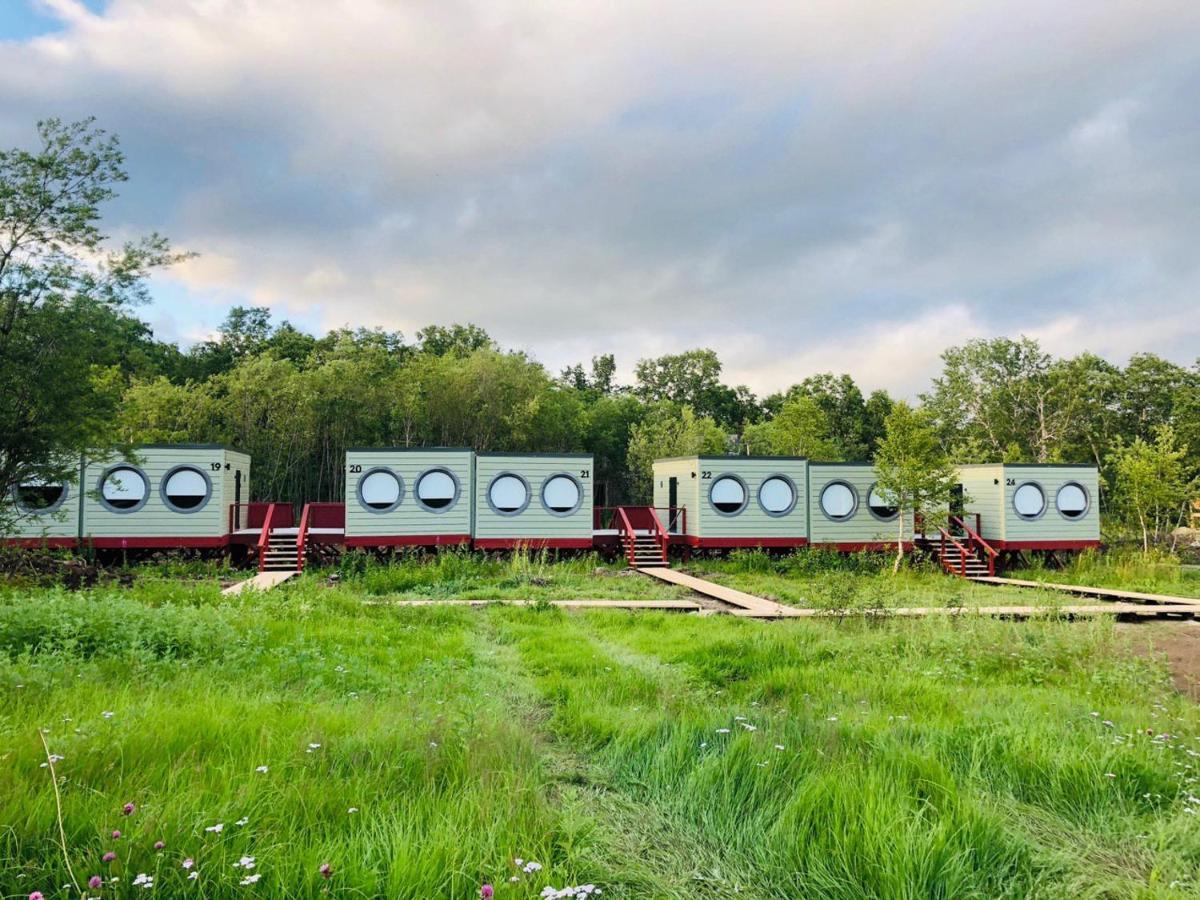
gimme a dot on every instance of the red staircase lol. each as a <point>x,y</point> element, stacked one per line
<point>317,515</point>
<point>966,554</point>
<point>642,535</point>
<point>277,550</point>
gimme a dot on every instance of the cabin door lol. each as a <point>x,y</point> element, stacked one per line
<point>957,509</point>
<point>673,501</point>
<point>237,500</point>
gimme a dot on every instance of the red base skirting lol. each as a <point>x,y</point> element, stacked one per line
<point>157,543</point>
<point>36,543</point>
<point>404,540</point>
<point>1044,545</point>
<point>729,543</point>
<point>860,546</point>
<point>533,543</point>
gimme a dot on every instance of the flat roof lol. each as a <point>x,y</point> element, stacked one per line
<point>408,449</point>
<point>518,455</point>
<point>1027,465</point>
<point>727,457</point>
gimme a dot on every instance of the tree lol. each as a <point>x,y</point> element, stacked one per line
<point>62,294</point>
<point>669,430</point>
<point>1152,484</point>
<point>914,471</point>
<point>799,428</point>
<point>693,379</point>
<point>455,340</point>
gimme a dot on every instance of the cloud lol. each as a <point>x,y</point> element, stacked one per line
<point>833,185</point>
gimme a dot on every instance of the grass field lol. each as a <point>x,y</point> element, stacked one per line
<point>419,752</point>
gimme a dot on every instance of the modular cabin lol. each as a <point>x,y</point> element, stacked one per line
<point>733,501</point>
<point>846,510</point>
<point>45,513</point>
<point>536,500</point>
<point>398,497</point>
<point>1032,506</point>
<point>164,495</point>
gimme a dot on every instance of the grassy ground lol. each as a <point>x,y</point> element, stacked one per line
<point>1154,573</point>
<point>418,752</point>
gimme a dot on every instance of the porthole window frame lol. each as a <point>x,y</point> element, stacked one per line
<point>189,467</point>
<point>107,473</point>
<point>437,510</point>
<point>45,511</point>
<point>516,512</point>
<point>778,476</point>
<point>368,507</point>
<point>578,486</point>
<point>878,518</point>
<point>1045,501</point>
<point>853,509</point>
<point>745,495</point>
<point>1087,501</point>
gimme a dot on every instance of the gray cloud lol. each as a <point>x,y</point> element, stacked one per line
<point>835,185</point>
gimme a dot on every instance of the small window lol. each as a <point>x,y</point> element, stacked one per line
<point>839,500</point>
<point>186,489</point>
<point>561,494</point>
<point>380,490</point>
<point>1029,500</point>
<point>123,489</point>
<point>777,495</point>
<point>1072,500</point>
<point>437,490</point>
<point>728,495</point>
<point>882,504</point>
<point>37,497</point>
<point>508,494</point>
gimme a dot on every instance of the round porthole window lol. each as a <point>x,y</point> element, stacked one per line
<point>34,496</point>
<point>437,490</point>
<point>777,495</point>
<point>124,489</point>
<point>1072,500</point>
<point>380,490</point>
<point>728,495</point>
<point>882,504</point>
<point>561,494</point>
<point>1029,500</point>
<point>508,494</point>
<point>185,489</point>
<point>838,500</point>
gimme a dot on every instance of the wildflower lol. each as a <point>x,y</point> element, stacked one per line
<point>242,821</point>
<point>246,862</point>
<point>108,714</point>
<point>703,744</point>
<point>352,810</point>
<point>128,809</point>
<point>37,895</point>
<point>188,863</point>
<point>108,857</point>
<point>780,747</point>
<point>326,871</point>
<point>518,862</point>
<point>95,882</point>
<point>144,881</point>
<point>722,731</point>
<point>53,758</point>
<point>1109,775</point>
<point>250,879</point>
<point>158,845</point>
<point>216,829</point>
<point>261,770</point>
<point>314,746</point>
<point>515,879</point>
<point>116,835</point>
<point>530,867</point>
<point>486,892</point>
<point>749,727</point>
<point>192,876</point>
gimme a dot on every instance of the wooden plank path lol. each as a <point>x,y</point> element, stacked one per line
<point>263,581</point>
<point>747,604</point>
<point>1125,610</point>
<point>679,605</point>
<point>1089,591</point>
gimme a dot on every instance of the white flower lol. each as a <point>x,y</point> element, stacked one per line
<point>749,727</point>
<point>261,769</point>
<point>108,714</point>
<point>515,879</point>
<point>241,821</point>
<point>518,862</point>
<point>192,876</point>
<point>352,810</point>
<point>832,719</point>
<point>251,879</point>
<point>246,862</point>
<point>216,829</point>
<point>531,867</point>
<point>188,863</point>
<point>143,880</point>
<point>780,747</point>
<point>1109,775</point>
<point>722,731</point>
<point>703,744</point>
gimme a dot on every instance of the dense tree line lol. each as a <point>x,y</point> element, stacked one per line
<point>80,373</point>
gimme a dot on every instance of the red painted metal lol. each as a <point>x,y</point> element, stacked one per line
<point>157,543</point>
<point>317,515</point>
<point>1045,545</point>
<point>977,540</point>
<point>264,537</point>
<point>962,555</point>
<point>533,543</point>
<point>629,533</point>
<point>730,543</point>
<point>247,515</point>
<point>427,540</point>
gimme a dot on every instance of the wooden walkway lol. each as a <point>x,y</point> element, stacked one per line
<point>747,604</point>
<point>263,581</point>
<point>1088,591</point>
<point>1121,610</point>
<point>677,605</point>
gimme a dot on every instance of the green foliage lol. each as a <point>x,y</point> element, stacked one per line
<point>692,379</point>
<point>914,471</point>
<point>1153,487</point>
<point>800,428</point>
<point>665,431</point>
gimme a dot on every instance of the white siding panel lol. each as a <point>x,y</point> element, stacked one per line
<point>535,521</point>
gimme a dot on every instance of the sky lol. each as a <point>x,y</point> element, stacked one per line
<point>828,185</point>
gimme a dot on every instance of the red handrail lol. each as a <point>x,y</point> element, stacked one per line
<point>977,538</point>
<point>962,559</point>
<point>630,534</point>
<point>264,537</point>
<point>659,532</point>
<point>301,537</point>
